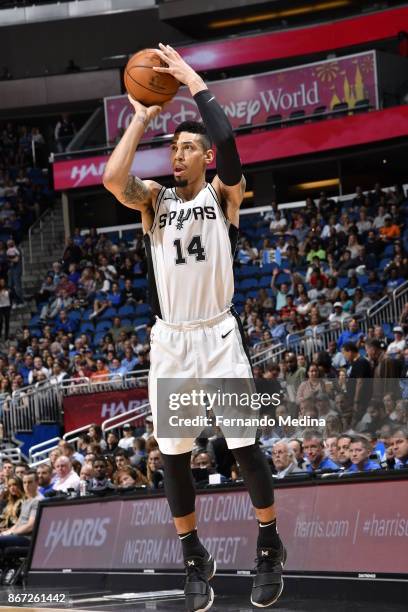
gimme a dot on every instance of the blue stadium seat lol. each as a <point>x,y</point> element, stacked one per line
<point>103,326</point>
<point>389,250</point>
<point>362,279</point>
<point>141,321</point>
<point>126,311</point>
<point>265,282</point>
<point>248,283</point>
<point>98,337</point>
<point>74,315</point>
<point>36,331</point>
<point>282,278</point>
<point>140,283</point>
<point>34,320</point>
<point>342,282</point>
<point>109,313</point>
<point>247,271</point>
<point>86,314</point>
<point>142,309</point>
<point>86,327</point>
<point>267,269</point>
<point>252,294</point>
<point>384,263</point>
<point>126,323</point>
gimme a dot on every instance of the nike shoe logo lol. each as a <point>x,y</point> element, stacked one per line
<point>225,335</point>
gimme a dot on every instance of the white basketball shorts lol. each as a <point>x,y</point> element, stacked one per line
<point>206,349</point>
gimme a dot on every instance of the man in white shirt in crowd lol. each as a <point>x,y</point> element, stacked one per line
<point>126,442</point>
<point>67,478</point>
<point>338,315</point>
<point>149,428</point>
<point>398,344</point>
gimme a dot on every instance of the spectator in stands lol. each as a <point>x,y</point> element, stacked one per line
<point>5,307</point>
<point>112,442</point>
<point>53,456</point>
<point>294,375</point>
<point>45,478</point>
<point>149,431</point>
<point>130,295</point>
<point>386,371</point>
<point>371,420</point>
<point>20,533</point>
<point>130,360</point>
<point>397,346</point>
<point>359,384</point>
<point>14,500</point>
<point>64,132</point>
<point>360,451</point>
<point>122,459</point>
<point>297,447</point>
<point>390,230</point>
<point>96,437</point>
<point>101,374</point>
<point>67,478</point>
<point>314,452</point>
<point>399,444</point>
<point>403,320</point>
<point>154,469</point>
<point>15,272</point>
<point>284,460</point>
<point>352,334</point>
<point>312,386</point>
<point>343,451</point>
<point>68,450</point>
<point>130,477</point>
<point>7,468</point>
<point>38,368</point>
<point>138,459</point>
<point>20,469</point>
<point>100,481</point>
<point>126,442</point>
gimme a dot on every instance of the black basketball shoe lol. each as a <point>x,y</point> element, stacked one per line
<point>268,582</point>
<point>199,595</point>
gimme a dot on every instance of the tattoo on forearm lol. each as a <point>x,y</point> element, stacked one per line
<point>135,191</point>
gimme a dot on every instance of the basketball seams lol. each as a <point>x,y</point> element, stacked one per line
<point>155,91</point>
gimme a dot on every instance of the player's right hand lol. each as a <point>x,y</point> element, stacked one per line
<point>150,112</point>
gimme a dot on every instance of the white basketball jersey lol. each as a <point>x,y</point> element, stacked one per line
<point>190,251</point>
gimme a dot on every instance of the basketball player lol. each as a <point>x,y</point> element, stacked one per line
<point>190,234</point>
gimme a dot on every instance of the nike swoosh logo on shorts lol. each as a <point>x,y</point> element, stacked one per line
<point>225,335</point>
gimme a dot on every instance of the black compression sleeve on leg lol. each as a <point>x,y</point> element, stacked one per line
<point>256,474</point>
<point>220,131</point>
<point>179,484</point>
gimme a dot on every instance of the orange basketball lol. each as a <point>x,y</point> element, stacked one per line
<point>145,84</point>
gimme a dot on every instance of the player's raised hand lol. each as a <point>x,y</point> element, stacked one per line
<point>176,66</point>
<point>146,112</point>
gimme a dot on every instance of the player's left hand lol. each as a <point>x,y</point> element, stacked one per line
<point>176,66</point>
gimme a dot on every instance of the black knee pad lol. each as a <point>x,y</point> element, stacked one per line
<point>179,484</point>
<point>256,474</point>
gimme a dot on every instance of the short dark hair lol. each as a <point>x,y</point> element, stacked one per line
<point>32,473</point>
<point>195,127</point>
<point>100,458</point>
<point>350,346</point>
<point>362,440</point>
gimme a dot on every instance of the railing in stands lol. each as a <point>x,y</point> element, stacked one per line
<point>400,298</point>
<point>14,454</point>
<point>126,417</point>
<point>30,405</point>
